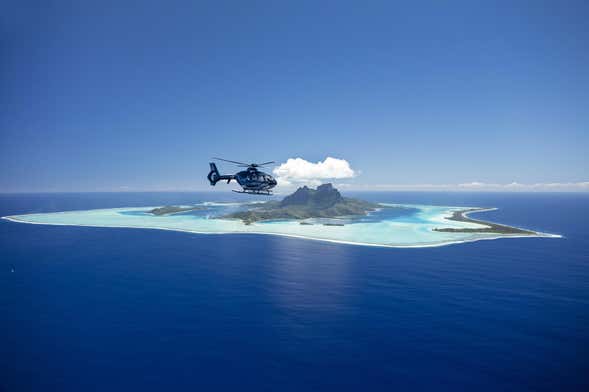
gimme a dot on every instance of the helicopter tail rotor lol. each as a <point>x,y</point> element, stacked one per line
<point>214,175</point>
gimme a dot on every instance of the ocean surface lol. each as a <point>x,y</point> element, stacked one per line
<point>95,309</point>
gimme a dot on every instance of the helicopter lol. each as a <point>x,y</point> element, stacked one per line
<point>252,180</point>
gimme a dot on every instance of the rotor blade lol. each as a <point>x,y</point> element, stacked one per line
<point>265,163</point>
<point>227,160</point>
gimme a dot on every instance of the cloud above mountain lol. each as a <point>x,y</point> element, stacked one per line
<point>297,171</point>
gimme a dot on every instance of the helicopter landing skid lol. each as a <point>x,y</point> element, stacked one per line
<point>265,193</point>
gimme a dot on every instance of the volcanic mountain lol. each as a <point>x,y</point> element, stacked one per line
<point>304,203</point>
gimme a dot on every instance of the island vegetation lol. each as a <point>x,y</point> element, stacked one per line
<point>168,210</point>
<point>490,227</point>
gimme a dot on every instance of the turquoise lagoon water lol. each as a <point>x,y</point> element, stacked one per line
<point>395,225</point>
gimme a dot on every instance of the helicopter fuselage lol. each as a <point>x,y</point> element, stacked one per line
<point>255,180</point>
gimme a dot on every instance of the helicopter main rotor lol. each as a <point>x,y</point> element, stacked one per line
<point>242,164</point>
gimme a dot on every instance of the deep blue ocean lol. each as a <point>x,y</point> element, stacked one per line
<point>102,309</point>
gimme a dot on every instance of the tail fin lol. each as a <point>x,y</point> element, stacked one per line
<point>214,175</point>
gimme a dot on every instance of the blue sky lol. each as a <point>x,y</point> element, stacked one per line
<point>117,95</point>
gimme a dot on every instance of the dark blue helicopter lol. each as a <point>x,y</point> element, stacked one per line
<point>253,181</point>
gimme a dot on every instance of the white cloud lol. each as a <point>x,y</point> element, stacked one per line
<point>516,186</point>
<point>482,186</point>
<point>474,184</point>
<point>300,171</point>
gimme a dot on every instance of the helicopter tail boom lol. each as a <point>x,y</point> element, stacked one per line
<point>214,175</point>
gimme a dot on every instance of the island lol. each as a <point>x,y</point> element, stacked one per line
<point>168,210</point>
<point>315,214</point>
<point>490,227</point>
<point>305,203</point>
